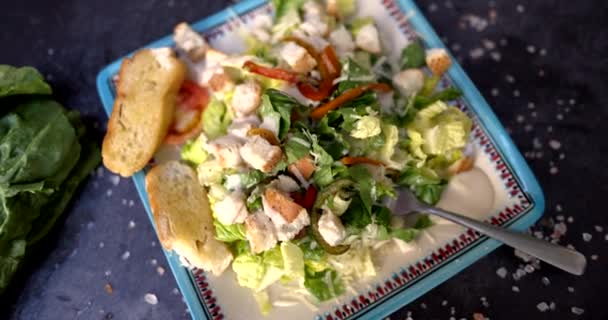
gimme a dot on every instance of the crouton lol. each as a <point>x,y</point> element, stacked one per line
<point>297,57</point>
<point>260,232</point>
<point>409,81</point>
<point>260,154</point>
<point>438,61</point>
<point>246,99</point>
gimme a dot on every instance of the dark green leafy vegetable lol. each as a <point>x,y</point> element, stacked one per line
<point>296,147</point>
<point>412,56</point>
<point>44,156</point>
<point>277,106</point>
<point>25,80</point>
<point>423,222</point>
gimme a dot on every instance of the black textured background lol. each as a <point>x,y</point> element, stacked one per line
<point>553,54</point>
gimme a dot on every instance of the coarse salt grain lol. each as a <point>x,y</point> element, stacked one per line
<point>124,202</point>
<point>554,144</point>
<point>553,170</point>
<point>495,92</point>
<point>496,56</point>
<point>577,311</point>
<point>444,303</point>
<point>520,8</point>
<point>587,236</point>
<point>598,228</point>
<point>125,255</point>
<point>131,203</point>
<point>515,288</point>
<point>516,93</point>
<point>560,217</point>
<point>545,281</point>
<point>175,291</point>
<point>501,272</point>
<point>107,273</point>
<point>131,224</point>
<point>520,118</point>
<point>531,49</point>
<point>542,307</point>
<point>594,257</point>
<point>509,78</point>
<point>101,245</point>
<point>606,237</point>
<point>423,305</point>
<point>151,298</point>
<point>529,268</point>
<point>109,192</point>
<point>552,305</point>
<point>115,180</point>
<point>160,270</point>
<point>153,262</point>
<point>570,289</point>
<point>559,116</point>
<point>476,53</point>
<point>558,207</point>
<point>570,219</point>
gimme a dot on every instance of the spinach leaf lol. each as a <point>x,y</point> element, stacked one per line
<point>412,56</point>
<point>25,80</point>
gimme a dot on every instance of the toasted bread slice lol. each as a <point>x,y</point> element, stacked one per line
<point>183,217</point>
<point>438,61</point>
<point>146,95</point>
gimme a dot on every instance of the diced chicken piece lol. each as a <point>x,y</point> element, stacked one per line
<point>297,57</point>
<point>219,81</point>
<point>260,232</point>
<point>409,81</point>
<point>190,41</point>
<point>438,61</point>
<point>260,154</point>
<point>312,9</point>
<point>368,39</point>
<point>342,41</point>
<point>240,126</point>
<point>284,183</point>
<point>246,98</point>
<point>331,228</point>
<point>233,182</point>
<point>304,167</point>
<point>314,27</point>
<point>287,216</point>
<point>231,209</point>
<point>226,150</point>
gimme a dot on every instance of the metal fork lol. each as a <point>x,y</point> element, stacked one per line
<point>568,260</point>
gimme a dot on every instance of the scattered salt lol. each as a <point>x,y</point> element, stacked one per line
<point>131,224</point>
<point>528,127</point>
<point>100,172</point>
<point>533,114</point>
<point>496,56</point>
<point>545,281</point>
<point>529,268</point>
<point>115,180</point>
<point>520,8</point>
<point>572,102</point>
<point>151,298</point>
<point>515,288</point>
<point>598,228</point>
<point>131,203</point>
<point>153,262</point>
<point>456,47</point>
<point>558,208</point>
<point>587,236</point>
<point>606,237</point>
<point>175,291</point>
<point>101,245</point>
<point>433,7</point>
<point>520,118</point>
<point>554,144</point>
<point>476,53</point>
<point>107,273</point>
<point>50,51</point>
<point>509,78</point>
<point>570,219</point>
<point>559,102</point>
<point>552,305</point>
<point>90,225</point>
<point>160,270</point>
<point>109,192</point>
<point>501,272</point>
<point>553,170</point>
<point>562,156</point>
<point>570,289</point>
<point>124,202</point>
<point>577,311</point>
<point>516,93</point>
<point>543,52</point>
<point>495,92</point>
<point>560,217</point>
<point>531,49</point>
<point>594,257</point>
<point>559,116</point>
<point>542,307</point>
<point>444,303</point>
<point>503,42</point>
<point>125,255</point>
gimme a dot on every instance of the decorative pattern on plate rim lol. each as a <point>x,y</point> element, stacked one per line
<point>408,275</point>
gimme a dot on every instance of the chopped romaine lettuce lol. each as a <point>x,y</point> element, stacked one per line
<point>345,8</point>
<point>249,269</point>
<point>193,150</point>
<point>252,178</point>
<point>275,111</point>
<point>209,173</point>
<point>323,285</point>
<point>216,119</point>
<point>425,183</point>
<point>296,147</point>
<point>263,300</point>
<point>293,259</point>
<point>229,233</point>
<point>355,263</point>
<point>366,127</point>
<point>274,257</point>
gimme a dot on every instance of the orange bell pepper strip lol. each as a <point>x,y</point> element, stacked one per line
<point>348,95</point>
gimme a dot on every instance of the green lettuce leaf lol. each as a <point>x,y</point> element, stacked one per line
<point>413,56</point>
<point>229,233</point>
<point>323,285</point>
<point>276,110</point>
<point>193,150</point>
<point>216,119</point>
<point>250,269</point>
<point>296,147</point>
<point>425,183</point>
<point>21,81</point>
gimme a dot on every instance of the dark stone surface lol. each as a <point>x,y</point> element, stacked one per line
<point>552,54</point>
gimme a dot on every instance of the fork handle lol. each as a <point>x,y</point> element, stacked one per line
<point>563,258</point>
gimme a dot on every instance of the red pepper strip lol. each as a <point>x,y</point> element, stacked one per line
<point>306,200</point>
<point>330,59</point>
<point>348,161</point>
<point>348,95</point>
<point>312,93</point>
<point>274,73</point>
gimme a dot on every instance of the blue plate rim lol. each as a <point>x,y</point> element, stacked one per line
<point>486,117</point>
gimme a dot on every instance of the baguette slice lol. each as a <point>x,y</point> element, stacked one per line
<point>143,111</point>
<point>183,217</point>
